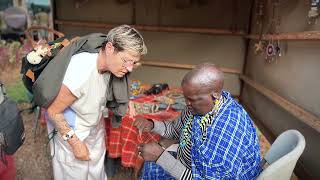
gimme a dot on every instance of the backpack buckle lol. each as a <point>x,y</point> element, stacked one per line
<point>2,140</point>
<point>2,93</point>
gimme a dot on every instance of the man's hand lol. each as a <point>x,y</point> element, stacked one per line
<point>150,151</point>
<point>80,150</point>
<point>164,142</point>
<point>131,109</point>
<point>143,125</point>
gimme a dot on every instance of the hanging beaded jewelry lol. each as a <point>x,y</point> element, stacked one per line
<point>185,138</point>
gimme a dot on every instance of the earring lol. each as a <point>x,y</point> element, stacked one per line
<point>216,102</point>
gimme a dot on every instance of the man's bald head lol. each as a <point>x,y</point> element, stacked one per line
<point>207,76</point>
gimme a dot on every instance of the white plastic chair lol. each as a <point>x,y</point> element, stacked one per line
<point>283,156</point>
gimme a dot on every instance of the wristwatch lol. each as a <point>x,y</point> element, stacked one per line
<point>68,136</point>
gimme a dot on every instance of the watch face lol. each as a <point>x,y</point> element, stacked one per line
<point>68,136</point>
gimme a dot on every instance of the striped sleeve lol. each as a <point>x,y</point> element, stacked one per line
<point>170,129</point>
<point>187,175</point>
<point>173,166</point>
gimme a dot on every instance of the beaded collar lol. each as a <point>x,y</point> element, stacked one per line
<point>203,122</point>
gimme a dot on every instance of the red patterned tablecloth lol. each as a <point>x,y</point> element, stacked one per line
<point>122,142</point>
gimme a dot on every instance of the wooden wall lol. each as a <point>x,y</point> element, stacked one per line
<point>187,48</point>
<point>294,76</point>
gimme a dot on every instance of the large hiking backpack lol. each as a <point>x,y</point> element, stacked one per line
<point>43,77</point>
<point>37,59</point>
<point>11,125</point>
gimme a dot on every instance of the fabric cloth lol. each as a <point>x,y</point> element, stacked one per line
<point>48,84</point>
<point>205,139</point>
<point>123,141</point>
<point>152,171</point>
<point>229,148</point>
<point>89,86</point>
<point>67,167</point>
<point>117,98</point>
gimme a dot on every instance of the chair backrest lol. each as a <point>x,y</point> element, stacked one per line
<point>283,156</point>
<point>50,33</point>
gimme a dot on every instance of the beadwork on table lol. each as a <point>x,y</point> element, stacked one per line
<point>153,103</point>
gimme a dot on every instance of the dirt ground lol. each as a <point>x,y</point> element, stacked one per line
<point>31,160</point>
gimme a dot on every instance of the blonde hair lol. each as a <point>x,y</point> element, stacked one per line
<point>125,37</point>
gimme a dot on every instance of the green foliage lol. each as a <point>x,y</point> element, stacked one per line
<point>17,92</point>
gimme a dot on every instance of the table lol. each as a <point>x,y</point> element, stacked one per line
<point>123,141</point>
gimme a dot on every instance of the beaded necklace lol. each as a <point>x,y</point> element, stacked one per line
<point>185,137</point>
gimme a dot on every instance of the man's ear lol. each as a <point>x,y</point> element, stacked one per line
<point>215,95</point>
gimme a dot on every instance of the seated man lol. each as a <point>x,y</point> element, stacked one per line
<point>217,139</point>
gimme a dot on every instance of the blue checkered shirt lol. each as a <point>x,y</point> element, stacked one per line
<point>228,148</point>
